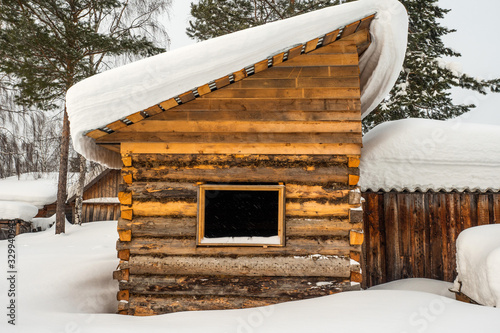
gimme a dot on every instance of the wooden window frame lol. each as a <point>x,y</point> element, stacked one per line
<point>280,188</point>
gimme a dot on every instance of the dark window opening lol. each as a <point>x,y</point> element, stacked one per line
<point>246,214</point>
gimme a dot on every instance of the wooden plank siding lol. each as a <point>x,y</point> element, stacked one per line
<point>414,234</point>
<point>104,187</point>
<point>296,123</point>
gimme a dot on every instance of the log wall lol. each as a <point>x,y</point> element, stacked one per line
<point>162,269</point>
<point>296,123</point>
<point>414,234</point>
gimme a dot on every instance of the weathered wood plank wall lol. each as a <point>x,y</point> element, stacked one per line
<point>414,234</point>
<point>105,187</point>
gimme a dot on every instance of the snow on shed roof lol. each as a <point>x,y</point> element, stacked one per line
<point>37,190</point>
<point>424,154</point>
<point>117,93</point>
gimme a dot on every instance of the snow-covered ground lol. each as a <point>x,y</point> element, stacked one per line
<point>64,285</point>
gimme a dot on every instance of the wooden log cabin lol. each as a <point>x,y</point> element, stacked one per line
<point>242,192</point>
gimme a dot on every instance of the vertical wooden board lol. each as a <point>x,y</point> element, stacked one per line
<point>446,226</point>
<point>418,217</point>
<point>483,209</point>
<point>405,226</point>
<point>455,231</point>
<point>465,220</point>
<point>370,217</point>
<point>393,263</point>
<point>427,235</point>
<point>436,238</point>
<point>496,208</point>
<point>473,209</point>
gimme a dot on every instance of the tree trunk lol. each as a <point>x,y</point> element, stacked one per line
<point>79,191</point>
<point>63,176</point>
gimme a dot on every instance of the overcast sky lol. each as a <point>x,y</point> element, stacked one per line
<point>476,39</point>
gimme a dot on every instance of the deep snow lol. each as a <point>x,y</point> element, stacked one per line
<point>64,285</point>
<point>478,264</point>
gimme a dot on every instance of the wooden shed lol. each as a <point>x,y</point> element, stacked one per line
<point>100,195</point>
<point>423,182</point>
<point>242,192</point>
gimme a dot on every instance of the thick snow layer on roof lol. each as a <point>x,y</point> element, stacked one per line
<point>423,154</point>
<point>478,264</point>
<point>117,93</point>
<point>27,188</point>
<point>11,210</point>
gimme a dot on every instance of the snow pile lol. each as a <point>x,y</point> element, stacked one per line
<point>435,287</point>
<point>64,285</point>
<point>423,154</point>
<point>478,264</point>
<point>44,223</point>
<point>122,91</point>
<point>12,210</point>
<point>30,189</point>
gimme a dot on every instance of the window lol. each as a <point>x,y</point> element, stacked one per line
<point>241,215</point>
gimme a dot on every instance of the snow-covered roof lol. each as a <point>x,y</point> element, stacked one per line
<point>423,154</point>
<point>123,91</point>
<point>13,210</point>
<point>30,189</point>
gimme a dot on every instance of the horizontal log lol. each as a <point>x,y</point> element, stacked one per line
<point>162,190</point>
<point>140,305</point>
<point>303,82</point>
<point>262,286</point>
<point>310,71</point>
<point>338,47</point>
<point>186,227</point>
<point>257,115</point>
<point>237,160</point>
<point>266,104</point>
<point>241,148</point>
<point>328,266</point>
<point>235,138</point>
<point>318,175</point>
<point>215,126</point>
<point>318,59</point>
<point>303,208</point>
<point>166,190</point>
<point>293,93</point>
<point>336,246</point>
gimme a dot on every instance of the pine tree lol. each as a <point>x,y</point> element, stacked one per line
<point>48,46</point>
<point>422,89</point>
<point>219,17</point>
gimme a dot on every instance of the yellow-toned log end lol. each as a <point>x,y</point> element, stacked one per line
<point>123,295</point>
<point>125,198</point>
<point>356,237</point>
<point>353,180</point>
<point>125,235</point>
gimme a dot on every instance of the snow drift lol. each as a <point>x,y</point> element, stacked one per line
<point>122,91</point>
<point>478,264</point>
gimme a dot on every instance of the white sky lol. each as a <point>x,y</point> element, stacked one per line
<point>475,22</point>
